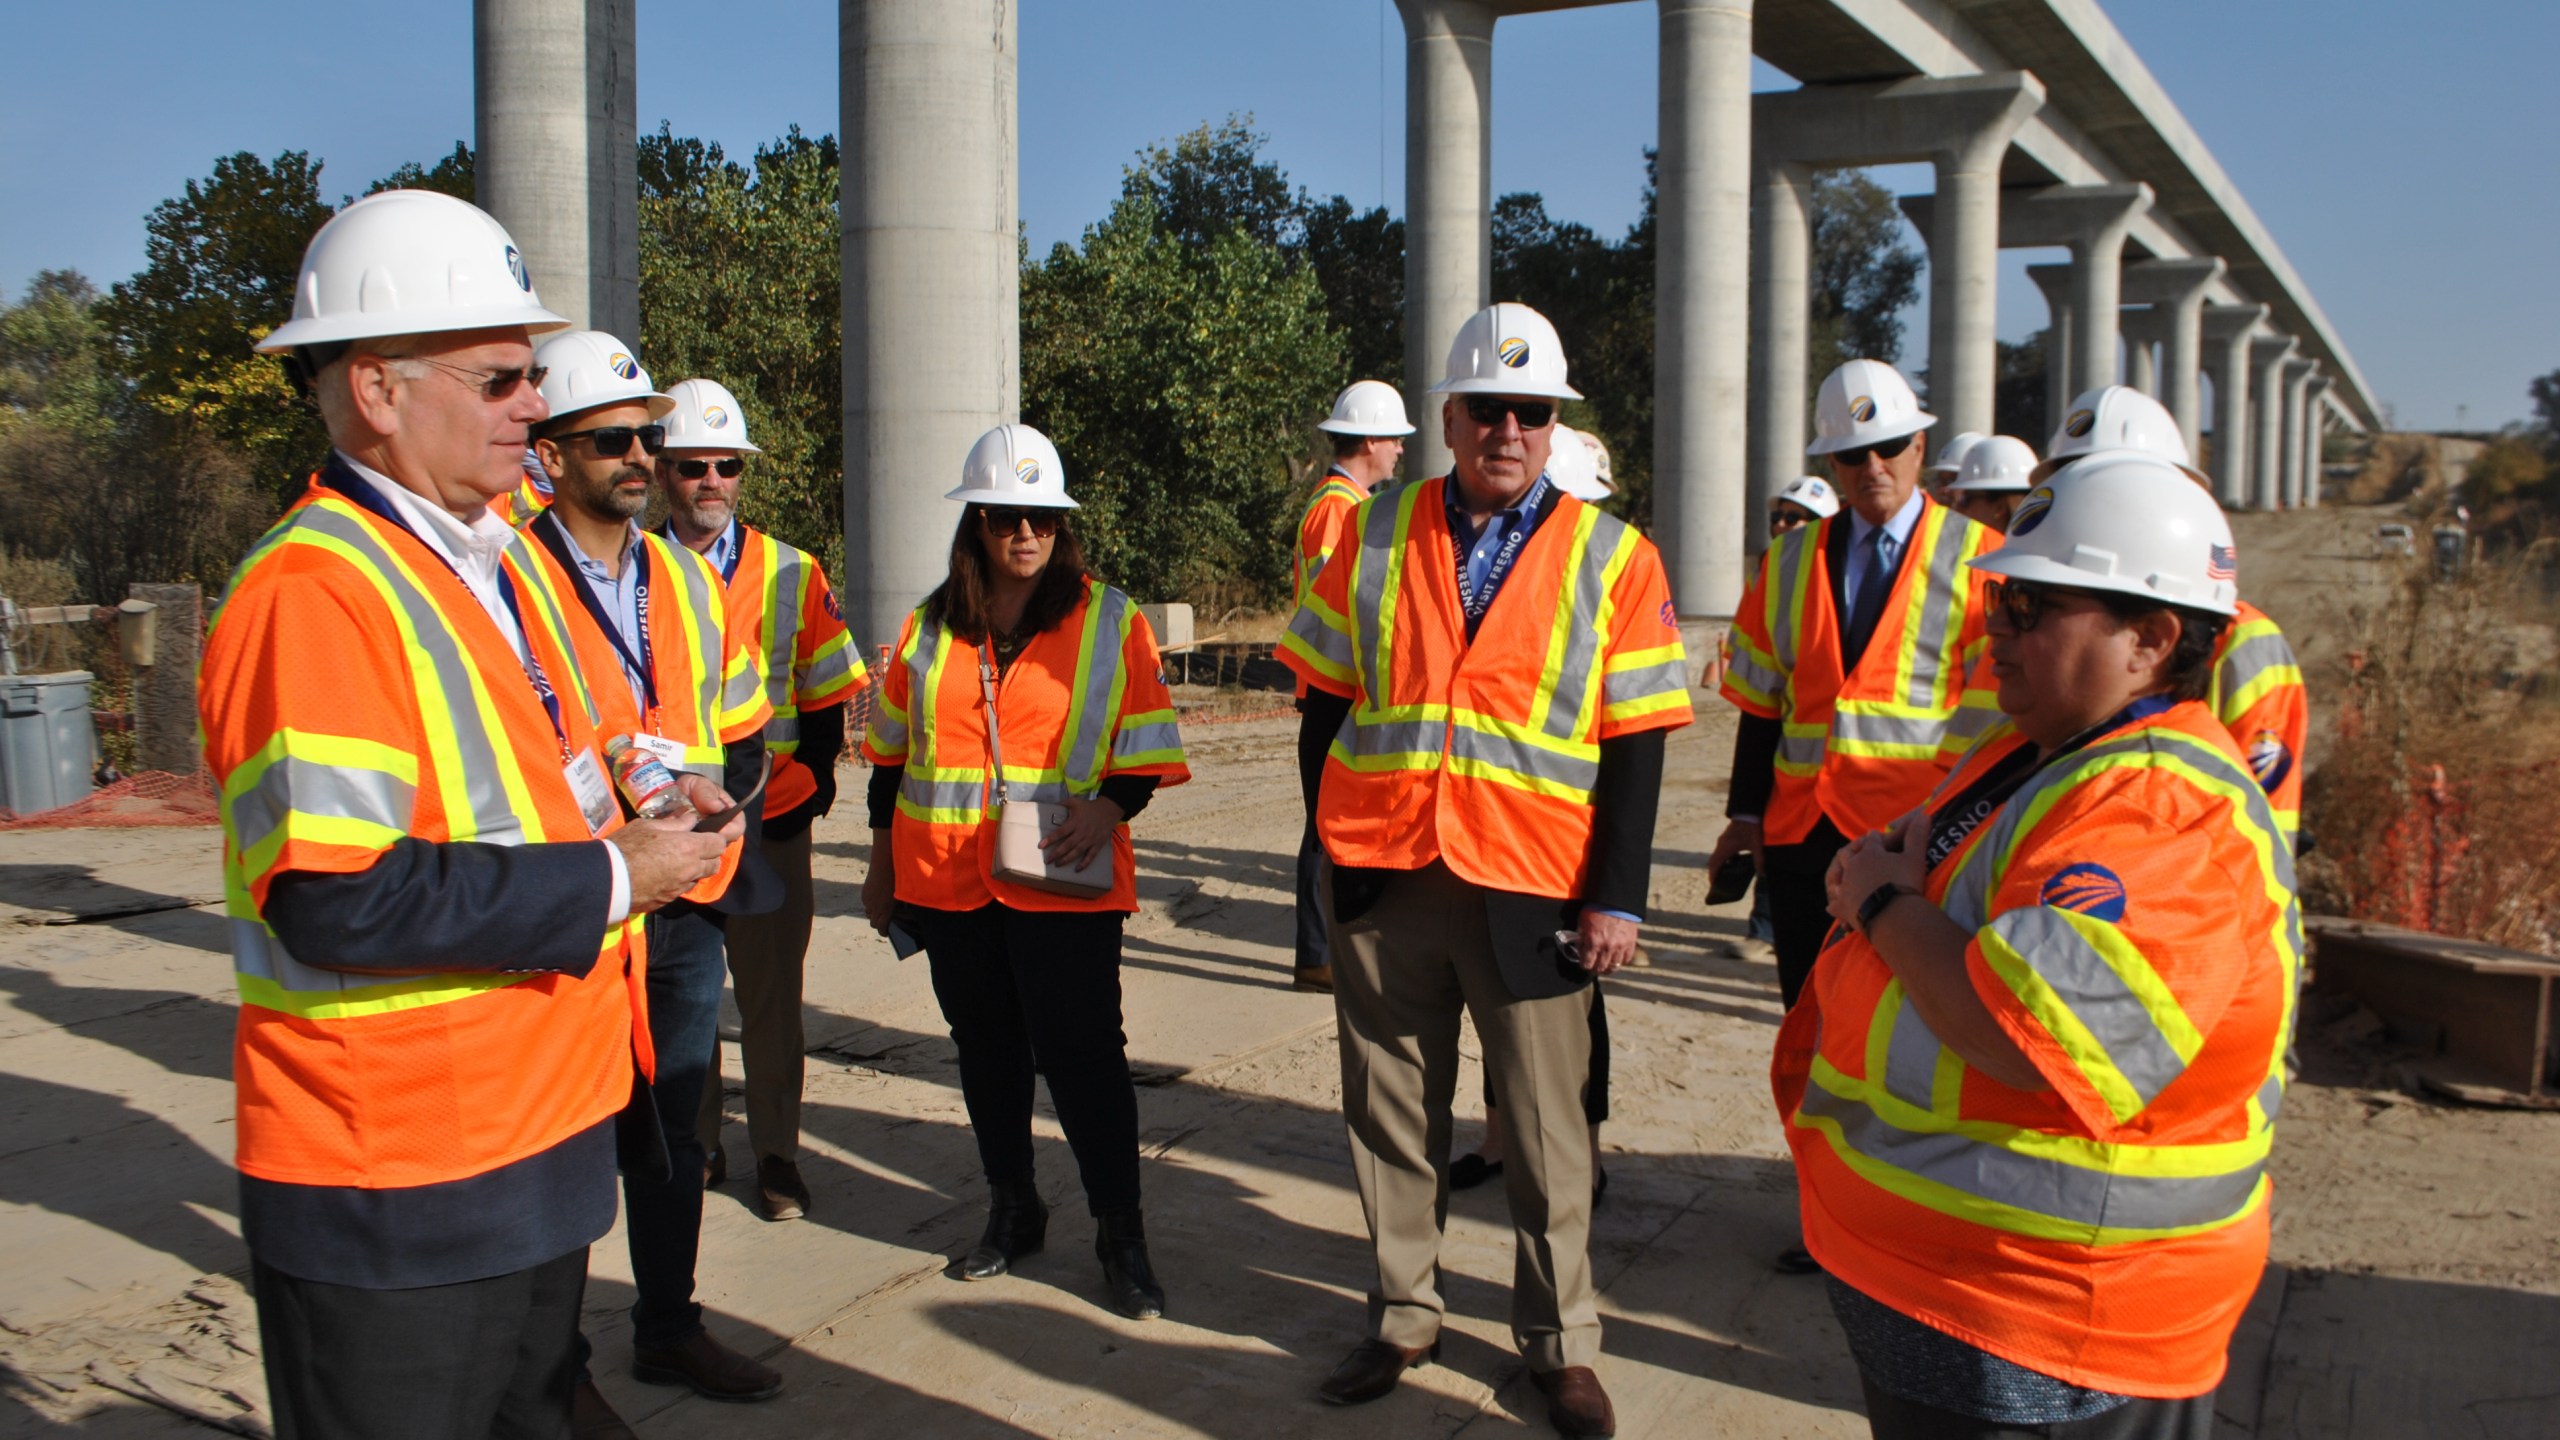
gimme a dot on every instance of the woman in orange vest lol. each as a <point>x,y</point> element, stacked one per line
<point>1025,948</point>
<point>2031,1085</point>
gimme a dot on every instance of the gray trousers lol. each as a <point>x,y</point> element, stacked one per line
<point>767,954</point>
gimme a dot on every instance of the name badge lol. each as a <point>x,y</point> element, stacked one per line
<point>594,793</point>
<point>669,753</point>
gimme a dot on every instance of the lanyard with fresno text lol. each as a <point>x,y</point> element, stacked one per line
<point>1951,823</point>
<point>555,538</point>
<point>1477,602</point>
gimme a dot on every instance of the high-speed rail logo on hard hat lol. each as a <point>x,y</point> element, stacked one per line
<point>715,417</point>
<point>2080,424</point>
<point>1027,470</point>
<point>624,366</point>
<point>2031,513</point>
<point>515,267</point>
<point>1513,352</point>
<point>1863,409</point>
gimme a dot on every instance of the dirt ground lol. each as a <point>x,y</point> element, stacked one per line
<point>2415,1288</point>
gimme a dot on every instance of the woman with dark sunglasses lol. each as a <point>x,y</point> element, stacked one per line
<point>1025,962</point>
<point>2032,1081</point>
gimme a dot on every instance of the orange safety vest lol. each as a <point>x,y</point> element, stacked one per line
<point>710,680</point>
<point>1864,748</point>
<point>1085,699</point>
<point>1483,753</point>
<point>2258,692</point>
<point>519,507</point>
<point>1320,532</point>
<point>354,692</point>
<point>2135,934</point>
<point>781,607</point>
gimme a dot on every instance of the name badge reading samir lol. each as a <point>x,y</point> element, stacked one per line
<point>669,753</point>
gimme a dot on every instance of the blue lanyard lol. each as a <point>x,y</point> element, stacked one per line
<point>355,488</point>
<point>555,538</point>
<point>1477,603</point>
<point>1951,823</point>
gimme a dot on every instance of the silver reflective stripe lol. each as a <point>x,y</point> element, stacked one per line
<point>2248,660</point>
<point>782,730</point>
<point>1620,686</point>
<point>1794,553</point>
<point>493,819</point>
<point>1587,595</point>
<point>941,794</point>
<point>1803,750</point>
<point>1094,712</point>
<point>1938,602</point>
<point>1911,1057</point>
<point>2097,996</point>
<point>1141,739</point>
<point>1037,792</point>
<point>1323,639</point>
<point>1921,730</point>
<point>887,732</point>
<point>781,622</point>
<point>702,594</point>
<point>1968,722</point>
<point>1371,619</point>
<point>827,669</point>
<point>1752,674</point>
<point>310,788</point>
<point>922,652</point>
<point>2096,1199</point>
<point>2271,1094</point>
<point>1467,742</point>
<point>1397,737</point>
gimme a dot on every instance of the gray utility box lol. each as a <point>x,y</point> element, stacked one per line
<point>48,749</point>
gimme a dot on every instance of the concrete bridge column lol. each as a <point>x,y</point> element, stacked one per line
<point>2174,289</point>
<point>1702,304</point>
<point>2092,220</point>
<point>2055,282</point>
<point>2140,326</point>
<point>2227,330</point>
<point>555,126</point>
<point>1781,339</point>
<point>2268,354</point>
<point>1448,204</point>
<point>2297,428</point>
<point>2316,410</point>
<point>932,279</point>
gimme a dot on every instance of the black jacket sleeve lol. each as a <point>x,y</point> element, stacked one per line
<point>462,906</point>
<point>1755,766</point>
<point>1323,713</point>
<point>821,741</point>
<point>882,798</point>
<point>1623,804</point>
<point>1130,792</point>
<point>756,888</point>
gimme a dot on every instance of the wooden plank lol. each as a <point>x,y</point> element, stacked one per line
<point>2493,1019</point>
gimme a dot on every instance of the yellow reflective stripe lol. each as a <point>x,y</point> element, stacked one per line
<point>1789,563</point>
<point>1521,756</point>
<point>1151,738</point>
<point>1393,737</point>
<point>1320,636</point>
<point>546,609</point>
<point>2030,950</point>
<point>406,994</point>
<point>1625,710</point>
<point>1801,747</point>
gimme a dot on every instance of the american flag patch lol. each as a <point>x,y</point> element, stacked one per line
<point>2222,563</point>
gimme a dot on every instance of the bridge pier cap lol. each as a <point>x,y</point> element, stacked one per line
<point>2175,291</point>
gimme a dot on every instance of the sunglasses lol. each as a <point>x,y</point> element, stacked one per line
<point>1488,410</point>
<point>730,469</point>
<point>492,384</point>
<point>612,442</point>
<point>2025,603</point>
<point>1005,519</point>
<point>1882,450</point>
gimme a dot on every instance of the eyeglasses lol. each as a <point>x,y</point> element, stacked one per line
<point>730,469</point>
<point>1005,519</point>
<point>612,442</point>
<point>492,384</point>
<point>1488,410</point>
<point>1786,518</point>
<point>2025,603</point>
<point>1882,450</point>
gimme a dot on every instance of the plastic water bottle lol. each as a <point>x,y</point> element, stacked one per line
<point>645,780</point>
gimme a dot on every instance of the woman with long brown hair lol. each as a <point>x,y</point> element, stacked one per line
<point>1022,723</point>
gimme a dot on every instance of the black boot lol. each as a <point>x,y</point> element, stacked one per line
<point>1017,1223</point>
<point>1120,1238</point>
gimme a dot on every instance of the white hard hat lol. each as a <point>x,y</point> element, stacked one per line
<point>1367,407</point>
<point>1951,455</point>
<point>409,262</point>
<point>590,368</point>
<point>2117,417</point>
<point>1813,493</point>
<point>1864,402</point>
<point>1574,465</point>
<point>1998,462</point>
<point>1506,349</point>
<point>1014,465</point>
<point>2127,524</point>
<point>706,417</point>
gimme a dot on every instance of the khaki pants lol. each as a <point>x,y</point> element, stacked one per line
<point>766,953</point>
<point>1402,973</point>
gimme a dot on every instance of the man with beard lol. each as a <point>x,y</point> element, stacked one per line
<point>697,695</point>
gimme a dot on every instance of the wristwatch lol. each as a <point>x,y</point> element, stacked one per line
<point>1882,896</point>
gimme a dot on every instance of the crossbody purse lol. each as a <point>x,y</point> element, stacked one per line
<point>1019,828</point>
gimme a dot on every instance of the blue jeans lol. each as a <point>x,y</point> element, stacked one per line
<point>662,1200</point>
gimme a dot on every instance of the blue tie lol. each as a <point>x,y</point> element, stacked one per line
<point>1874,580</point>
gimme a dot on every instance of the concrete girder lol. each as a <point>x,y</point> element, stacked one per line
<point>1448,167</point>
<point>2055,282</point>
<point>2175,290</point>
<point>1962,125</point>
<point>2093,221</point>
<point>555,117</point>
<point>2227,333</point>
<point>1702,303</point>
<point>2297,428</point>
<point>932,279</point>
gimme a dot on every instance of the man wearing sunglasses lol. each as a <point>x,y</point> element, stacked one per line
<point>653,613</point>
<point>1850,659</point>
<point>780,605</point>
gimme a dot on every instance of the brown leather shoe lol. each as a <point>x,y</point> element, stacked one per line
<point>592,1417</point>
<point>1318,978</point>
<point>1372,1369</point>
<point>712,1370</point>
<point>780,1192</point>
<point>1576,1405</point>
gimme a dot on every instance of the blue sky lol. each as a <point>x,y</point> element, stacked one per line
<point>2401,165</point>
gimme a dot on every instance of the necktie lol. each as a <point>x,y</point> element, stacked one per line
<point>1874,581</point>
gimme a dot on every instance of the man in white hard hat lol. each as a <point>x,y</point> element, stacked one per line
<point>1996,474</point>
<point>1366,432</point>
<point>1473,873</point>
<point>1574,463</point>
<point>1806,499</point>
<point>2113,418</point>
<point>698,693</point>
<point>435,901</point>
<point>1943,470</point>
<point>780,604</point>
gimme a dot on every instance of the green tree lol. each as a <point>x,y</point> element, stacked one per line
<point>454,175</point>
<point>1176,370</point>
<point>2545,390</point>
<point>1864,275</point>
<point>1358,257</point>
<point>739,283</point>
<point>2018,388</point>
<point>1599,294</point>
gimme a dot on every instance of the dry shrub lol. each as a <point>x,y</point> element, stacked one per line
<point>2434,808</point>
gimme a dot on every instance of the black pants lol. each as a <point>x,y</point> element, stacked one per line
<point>1038,992</point>
<point>662,1171</point>
<point>1799,908</point>
<point>1890,1417</point>
<point>485,1358</point>
<point>1595,1091</point>
<point>1315,952</point>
